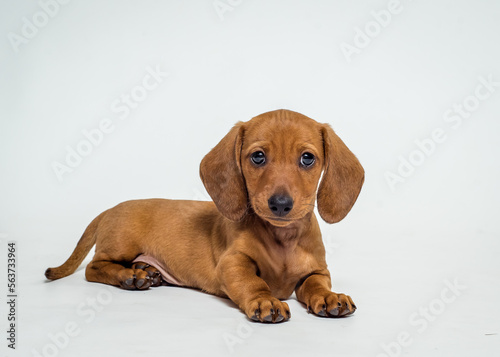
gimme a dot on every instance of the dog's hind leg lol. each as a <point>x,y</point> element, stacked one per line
<point>153,273</point>
<point>114,273</point>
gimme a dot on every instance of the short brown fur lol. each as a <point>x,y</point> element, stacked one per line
<point>236,247</point>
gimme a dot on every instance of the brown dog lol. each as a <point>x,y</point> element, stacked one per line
<point>257,242</point>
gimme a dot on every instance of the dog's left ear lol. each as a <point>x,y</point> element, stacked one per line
<point>220,171</point>
<point>343,177</point>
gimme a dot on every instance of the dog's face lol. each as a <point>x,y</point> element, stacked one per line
<point>281,161</point>
<point>273,163</point>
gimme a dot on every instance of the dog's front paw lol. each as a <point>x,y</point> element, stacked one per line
<point>268,309</point>
<point>330,304</point>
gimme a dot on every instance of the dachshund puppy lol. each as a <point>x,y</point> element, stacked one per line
<point>257,242</point>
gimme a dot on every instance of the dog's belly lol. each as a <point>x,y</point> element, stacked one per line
<point>179,238</point>
<point>165,274</point>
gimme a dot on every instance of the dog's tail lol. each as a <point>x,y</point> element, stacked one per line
<point>83,248</point>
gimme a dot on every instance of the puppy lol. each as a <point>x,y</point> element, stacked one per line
<point>257,242</point>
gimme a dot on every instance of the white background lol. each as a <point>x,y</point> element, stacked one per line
<point>394,252</point>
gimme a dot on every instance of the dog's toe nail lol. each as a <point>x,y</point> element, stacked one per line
<point>345,312</point>
<point>269,318</point>
<point>128,284</point>
<point>156,281</point>
<point>141,265</point>
<point>334,312</point>
<point>322,313</point>
<point>144,283</point>
<point>280,317</point>
<point>256,315</point>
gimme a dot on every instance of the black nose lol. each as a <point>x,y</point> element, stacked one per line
<point>280,205</point>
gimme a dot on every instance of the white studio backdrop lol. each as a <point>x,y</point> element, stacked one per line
<point>103,102</point>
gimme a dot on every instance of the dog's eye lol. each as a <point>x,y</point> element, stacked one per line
<point>307,159</point>
<point>258,158</point>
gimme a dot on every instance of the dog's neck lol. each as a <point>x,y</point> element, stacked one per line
<point>283,236</point>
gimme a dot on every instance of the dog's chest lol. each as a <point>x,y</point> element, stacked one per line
<point>283,268</point>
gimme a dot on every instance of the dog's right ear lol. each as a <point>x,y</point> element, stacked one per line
<point>220,171</point>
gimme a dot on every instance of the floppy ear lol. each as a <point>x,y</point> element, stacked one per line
<point>342,179</point>
<point>220,171</point>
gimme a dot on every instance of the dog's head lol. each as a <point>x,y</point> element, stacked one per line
<point>273,164</point>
